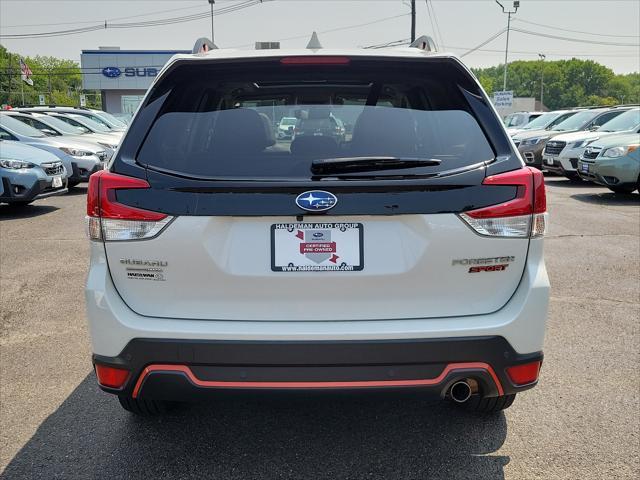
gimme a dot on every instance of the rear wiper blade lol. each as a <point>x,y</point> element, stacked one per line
<point>368,164</point>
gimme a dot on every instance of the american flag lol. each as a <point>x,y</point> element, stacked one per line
<point>25,72</point>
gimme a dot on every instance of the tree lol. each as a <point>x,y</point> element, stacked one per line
<point>59,80</point>
<point>567,83</point>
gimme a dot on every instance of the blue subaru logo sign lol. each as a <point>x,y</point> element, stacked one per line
<point>111,72</point>
<point>316,200</point>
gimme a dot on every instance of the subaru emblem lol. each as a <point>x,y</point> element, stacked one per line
<point>111,72</point>
<point>316,200</point>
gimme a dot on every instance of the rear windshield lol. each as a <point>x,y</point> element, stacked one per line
<point>224,122</point>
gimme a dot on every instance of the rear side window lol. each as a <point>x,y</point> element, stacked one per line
<point>219,121</point>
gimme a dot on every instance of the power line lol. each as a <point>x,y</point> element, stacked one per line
<point>392,43</point>
<point>570,39</point>
<point>337,29</point>
<point>488,40</point>
<point>80,22</point>
<point>433,26</point>
<point>435,20</point>
<point>149,23</point>
<point>535,54</point>
<point>597,34</point>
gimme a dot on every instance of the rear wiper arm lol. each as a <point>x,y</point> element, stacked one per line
<point>368,164</point>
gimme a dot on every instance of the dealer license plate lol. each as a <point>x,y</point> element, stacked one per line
<point>57,182</point>
<point>317,247</point>
<point>585,168</point>
<point>548,160</point>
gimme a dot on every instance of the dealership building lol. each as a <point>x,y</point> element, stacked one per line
<point>122,76</point>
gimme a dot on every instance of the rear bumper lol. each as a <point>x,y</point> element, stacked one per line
<point>521,321</point>
<point>182,370</point>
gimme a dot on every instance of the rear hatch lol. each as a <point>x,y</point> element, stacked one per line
<point>318,227</point>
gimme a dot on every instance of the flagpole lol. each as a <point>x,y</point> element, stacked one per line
<point>22,89</point>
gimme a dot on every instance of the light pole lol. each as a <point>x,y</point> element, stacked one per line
<point>516,5</point>
<point>212,3</point>
<point>413,20</point>
<point>542,58</point>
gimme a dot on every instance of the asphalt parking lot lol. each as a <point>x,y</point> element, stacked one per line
<point>582,422</point>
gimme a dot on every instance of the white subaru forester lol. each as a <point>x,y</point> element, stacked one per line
<point>404,254</point>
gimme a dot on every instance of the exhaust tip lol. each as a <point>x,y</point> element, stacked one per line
<point>460,391</point>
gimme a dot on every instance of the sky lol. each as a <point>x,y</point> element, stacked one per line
<point>607,31</point>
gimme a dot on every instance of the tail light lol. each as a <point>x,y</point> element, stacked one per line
<point>109,220</point>
<point>522,217</point>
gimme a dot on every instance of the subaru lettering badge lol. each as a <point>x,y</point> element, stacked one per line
<point>316,200</point>
<point>111,72</point>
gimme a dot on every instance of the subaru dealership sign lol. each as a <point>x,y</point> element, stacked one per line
<point>111,72</point>
<point>115,72</point>
<point>113,69</point>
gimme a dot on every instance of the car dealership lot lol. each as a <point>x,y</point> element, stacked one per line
<point>582,421</point>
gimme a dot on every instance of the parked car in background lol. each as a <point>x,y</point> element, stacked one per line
<point>286,127</point>
<point>28,173</point>
<point>545,121</point>
<point>80,159</point>
<point>123,117</point>
<point>318,121</point>
<point>519,119</point>
<point>54,127</point>
<point>532,143</point>
<point>89,125</point>
<point>570,146</point>
<point>103,118</point>
<point>614,162</point>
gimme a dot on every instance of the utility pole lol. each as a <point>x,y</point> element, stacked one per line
<point>10,79</point>
<point>516,5</point>
<point>542,58</point>
<point>211,4</point>
<point>413,20</point>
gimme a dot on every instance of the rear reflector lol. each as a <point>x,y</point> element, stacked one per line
<point>315,60</point>
<point>522,217</point>
<point>109,220</point>
<point>524,374</point>
<point>111,377</point>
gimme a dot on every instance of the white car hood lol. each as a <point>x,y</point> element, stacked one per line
<point>577,136</point>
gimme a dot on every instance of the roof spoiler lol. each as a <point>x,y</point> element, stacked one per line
<point>203,45</point>
<point>425,43</point>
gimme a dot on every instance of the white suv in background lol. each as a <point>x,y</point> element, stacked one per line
<point>408,256</point>
<point>570,146</point>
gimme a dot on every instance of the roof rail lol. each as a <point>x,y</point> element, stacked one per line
<point>425,43</point>
<point>52,105</point>
<point>203,45</point>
